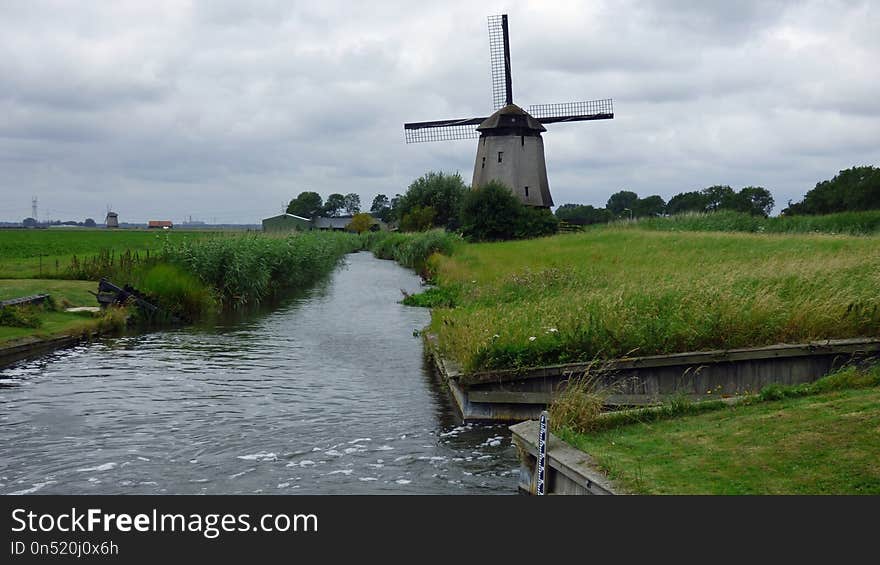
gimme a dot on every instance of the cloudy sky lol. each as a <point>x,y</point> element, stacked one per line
<point>225,110</point>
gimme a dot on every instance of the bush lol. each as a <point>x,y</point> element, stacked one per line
<point>13,317</point>
<point>535,222</point>
<point>436,190</point>
<point>420,218</point>
<point>493,213</point>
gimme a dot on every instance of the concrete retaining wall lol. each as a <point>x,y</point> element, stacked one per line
<point>36,347</point>
<point>569,470</point>
<point>516,395</point>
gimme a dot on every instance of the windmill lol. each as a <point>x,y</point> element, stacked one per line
<point>510,148</point>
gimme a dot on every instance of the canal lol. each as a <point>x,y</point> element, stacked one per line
<point>328,393</point>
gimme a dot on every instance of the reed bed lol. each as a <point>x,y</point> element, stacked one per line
<point>247,269</point>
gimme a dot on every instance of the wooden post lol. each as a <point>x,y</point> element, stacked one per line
<point>542,456</point>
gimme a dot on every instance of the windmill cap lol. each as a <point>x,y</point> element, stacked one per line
<point>511,116</point>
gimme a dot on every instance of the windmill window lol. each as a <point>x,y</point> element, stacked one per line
<point>500,153</point>
<point>484,163</point>
<point>527,192</point>
<point>522,141</point>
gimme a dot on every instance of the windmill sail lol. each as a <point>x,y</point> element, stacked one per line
<point>573,111</point>
<point>499,57</point>
<point>442,130</point>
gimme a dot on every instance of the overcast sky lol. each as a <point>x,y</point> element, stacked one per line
<point>226,110</point>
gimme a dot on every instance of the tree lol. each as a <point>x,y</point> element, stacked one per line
<point>380,202</point>
<point>583,215</point>
<point>420,218</point>
<point>352,203</point>
<point>360,223</point>
<point>440,191</point>
<point>306,205</point>
<point>29,223</point>
<point>687,202</point>
<point>853,189</point>
<point>650,206</point>
<point>492,213</point>
<point>89,223</point>
<point>381,208</point>
<point>755,200</point>
<point>394,213</point>
<point>719,197</point>
<point>334,204</point>
<point>621,201</point>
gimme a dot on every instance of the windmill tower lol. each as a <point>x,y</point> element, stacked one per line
<point>510,147</point>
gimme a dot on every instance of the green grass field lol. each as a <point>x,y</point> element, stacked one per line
<point>37,253</point>
<point>825,443</point>
<point>76,293</point>
<point>613,291</point>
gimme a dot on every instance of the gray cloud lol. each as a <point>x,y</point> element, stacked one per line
<point>225,110</point>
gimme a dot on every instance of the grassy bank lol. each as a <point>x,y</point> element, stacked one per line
<point>810,439</point>
<point>189,276</point>
<point>615,291</point>
<point>845,223</point>
<point>51,320</point>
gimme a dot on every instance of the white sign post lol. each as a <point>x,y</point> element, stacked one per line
<point>542,455</point>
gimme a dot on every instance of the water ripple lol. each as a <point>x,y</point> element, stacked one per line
<point>328,393</point>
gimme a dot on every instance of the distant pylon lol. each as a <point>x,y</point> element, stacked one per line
<point>34,207</point>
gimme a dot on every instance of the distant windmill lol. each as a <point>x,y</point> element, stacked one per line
<point>510,149</point>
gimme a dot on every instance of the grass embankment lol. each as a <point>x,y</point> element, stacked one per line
<point>846,223</point>
<point>818,438</point>
<point>48,320</point>
<point>613,291</point>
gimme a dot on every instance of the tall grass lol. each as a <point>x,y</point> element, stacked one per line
<point>247,269</point>
<point>411,249</point>
<point>846,223</point>
<point>178,293</point>
<point>613,292</point>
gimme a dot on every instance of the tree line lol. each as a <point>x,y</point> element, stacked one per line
<point>439,200</point>
<point>851,190</point>
<point>442,200</point>
<point>755,200</point>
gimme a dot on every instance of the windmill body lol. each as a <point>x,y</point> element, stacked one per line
<point>510,147</point>
<point>511,150</point>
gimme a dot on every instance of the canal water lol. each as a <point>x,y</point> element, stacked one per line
<point>328,393</point>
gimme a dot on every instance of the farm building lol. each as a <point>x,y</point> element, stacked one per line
<point>290,222</point>
<point>160,224</point>
<point>340,223</point>
<point>287,222</point>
